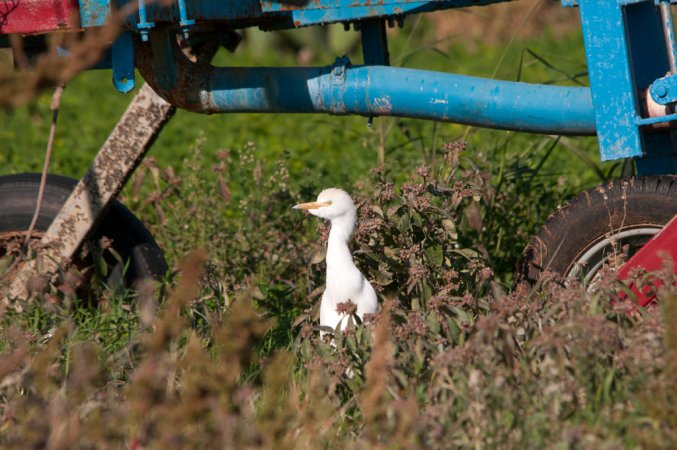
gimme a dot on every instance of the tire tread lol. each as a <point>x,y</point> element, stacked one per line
<point>589,215</point>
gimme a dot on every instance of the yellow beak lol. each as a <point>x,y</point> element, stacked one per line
<point>311,205</point>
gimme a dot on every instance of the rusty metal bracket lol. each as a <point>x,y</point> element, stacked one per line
<point>113,165</point>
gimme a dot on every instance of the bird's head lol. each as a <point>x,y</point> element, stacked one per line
<point>331,204</point>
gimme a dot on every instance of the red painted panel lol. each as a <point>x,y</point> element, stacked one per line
<point>650,258</point>
<point>38,16</point>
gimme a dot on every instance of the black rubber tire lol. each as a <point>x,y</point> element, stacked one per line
<point>130,238</point>
<point>621,206</point>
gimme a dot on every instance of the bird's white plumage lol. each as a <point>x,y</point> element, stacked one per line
<point>344,281</point>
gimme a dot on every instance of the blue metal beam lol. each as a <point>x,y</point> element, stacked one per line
<point>369,91</point>
<point>649,60</point>
<point>374,42</point>
<point>613,93</point>
<point>267,14</point>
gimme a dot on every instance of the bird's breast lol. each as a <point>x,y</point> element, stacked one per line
<point>344,288</point>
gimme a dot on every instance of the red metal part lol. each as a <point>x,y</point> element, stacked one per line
<point>38,16</point>
<point>651,258</point>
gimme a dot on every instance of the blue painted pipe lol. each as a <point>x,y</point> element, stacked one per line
<point>390,91</point>
<point>365,90</point>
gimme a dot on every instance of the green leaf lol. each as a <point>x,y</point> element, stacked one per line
<point>393,210</point>
<point>433,323</point>
<point>384,277</point>
<point>450,229</point>
<point>391,252</point>
<point>5,263</point>
<point>467,253</point>
<point>101,265</point>
<point>319,256</point>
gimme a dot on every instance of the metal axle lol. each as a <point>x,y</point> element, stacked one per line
<point>372,90</point>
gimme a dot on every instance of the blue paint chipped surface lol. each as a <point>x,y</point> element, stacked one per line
<point>611,79</point>
<point>623,49</point>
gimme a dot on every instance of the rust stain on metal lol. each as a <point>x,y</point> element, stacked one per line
<point>120,155</point>
<point>186,89</point>
<point>382,105</point>
<point>114,164</point>
<point>293,5</point>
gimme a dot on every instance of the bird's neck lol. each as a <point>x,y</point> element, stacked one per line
<point>338,253</point>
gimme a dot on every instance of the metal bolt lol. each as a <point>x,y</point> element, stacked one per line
<point>661,91</point>
<point>338,71</point>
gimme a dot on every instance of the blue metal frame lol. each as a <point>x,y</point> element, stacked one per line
<point>374,42</point>
<point>122,55</point>
<point>610,71</point>
<point>370,90</point>
<point>389,91</point>
<point>630,48</point>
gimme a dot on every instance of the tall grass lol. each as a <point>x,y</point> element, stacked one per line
<point>232,356</point>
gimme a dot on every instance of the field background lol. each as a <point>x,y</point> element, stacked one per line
<point>231,357</point>
<point>533,41</point>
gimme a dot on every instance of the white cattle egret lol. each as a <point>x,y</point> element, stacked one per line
<point>344,281</point>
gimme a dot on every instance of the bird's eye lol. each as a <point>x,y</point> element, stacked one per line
<point>329,202</point>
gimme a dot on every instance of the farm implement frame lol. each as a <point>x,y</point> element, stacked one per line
<point>631,53</point>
